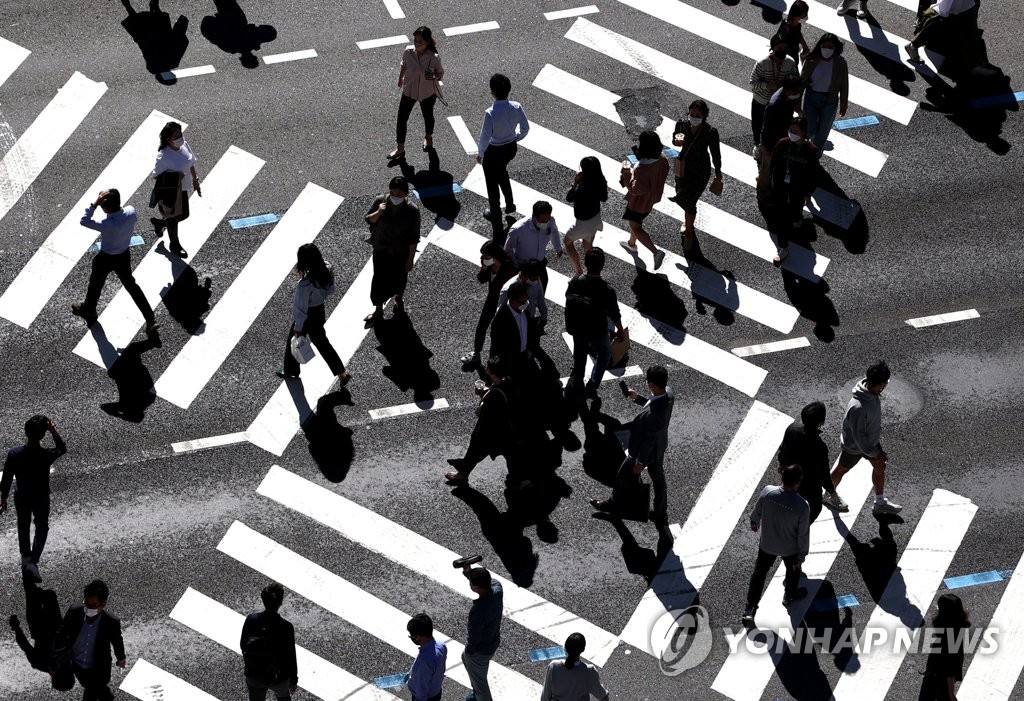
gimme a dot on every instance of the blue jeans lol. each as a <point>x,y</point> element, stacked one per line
<point>581,348</point>
<point>820,109</point>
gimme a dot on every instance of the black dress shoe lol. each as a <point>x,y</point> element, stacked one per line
<point>179,251</point>
<point>510,208</point>
<point>158,225</point>
<point>602,505</point>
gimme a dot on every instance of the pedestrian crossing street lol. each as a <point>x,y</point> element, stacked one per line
<point>722,504</point>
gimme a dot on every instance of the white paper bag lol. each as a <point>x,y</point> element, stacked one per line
<point>302,349</point>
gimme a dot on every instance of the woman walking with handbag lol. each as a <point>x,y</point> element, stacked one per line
<point>826,80</point>
<point>698,150</point>
<point>174,157</point>
<point>421,69</point>
<point>316,284</point>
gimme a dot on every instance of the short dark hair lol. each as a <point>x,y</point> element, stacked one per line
<point>492,249</point>
<point>799,122</point>
<point>778,39</point>
<point>878,373</point>
<point>791,475</point>
<point>496,365</point>
<point>812,414</point>
<point>35,427</point>
<point>575,644</point>
<point>399,183</point>
<point>594,260</point>
<point>480,577</point>
<point>272,596</point>
<point>97,588</point>
<point>501,86</point>
<point>420,624</point>
<point>831,38</point>
<point>113,199</point>
<point>658,375</point>
<point>518,290</point>
<point>541,207</point>
<point>531,268</point>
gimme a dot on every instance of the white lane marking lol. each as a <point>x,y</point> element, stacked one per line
<point>573,12</point>
<point>704,282</point>
<point>406,409</point>
<point>992,677</point>
<point>712,88</point>
<point>710,524</point>
<point>148,682</point>
<point>947,318</point>
<point>11,57</point>
<point>278,421</point>
<point>609,375</point>
<point>211,442</point>
<point>44,137</point>
<point>773,347</point>
<point>466,140</point>
<point>908,595</point>
<point>358,607</point>
<point>711,220</point>
<point>187,72</point>
<point>394,9</point>
<point>159,269</point>
<point>580,92</point>
<point>661,338</point>
<point>385,41</point>
<point>319,677</point>
<point>62,249</point>
<point>755,47</point>
<point>906,4</point>
<point>470,28</point>
<point>243,301</point>
<point>411,550</point>
<point>290,56</point>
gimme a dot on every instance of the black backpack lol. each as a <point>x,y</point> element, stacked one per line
<point>258,655</point>
<point>584,316</point>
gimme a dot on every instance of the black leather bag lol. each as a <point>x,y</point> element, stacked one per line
<point>635,504</point>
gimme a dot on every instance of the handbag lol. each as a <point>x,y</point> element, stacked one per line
<point>302,349</point>
<point>166,195</point>
<point>635,504</point>
<point>680,168</point>
<point>715,188</point>
<point>620,350</point>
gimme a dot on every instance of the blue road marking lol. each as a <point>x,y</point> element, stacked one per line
<point>856,122</point>
<point>543,654</point>
<point>136,241</point>
<point>246,222</point>
<point>669,153</point>
<point>438,191</point>
<point>389,682</point>
<point>970,580</point>
<point>1008,98</point>
<point>837,603</point>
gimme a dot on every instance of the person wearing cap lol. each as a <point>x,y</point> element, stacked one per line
<point>394,232</point>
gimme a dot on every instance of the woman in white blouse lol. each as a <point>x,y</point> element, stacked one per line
<point>175,156</point>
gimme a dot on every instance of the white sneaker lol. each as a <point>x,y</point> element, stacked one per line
<point>625,244</point>
<point>913,53</point>
<point>886,507</point>
<point>836,503</point>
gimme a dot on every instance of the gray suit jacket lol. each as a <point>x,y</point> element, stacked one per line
<point>648,432</point>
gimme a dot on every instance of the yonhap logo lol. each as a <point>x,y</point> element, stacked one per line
<point>681,639</point>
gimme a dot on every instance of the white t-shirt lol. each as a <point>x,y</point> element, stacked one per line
<point>180,161</point>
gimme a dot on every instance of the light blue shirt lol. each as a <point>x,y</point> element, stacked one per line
<point>501,122</point>
<point>526,241</point>
<point>308,295</point>
<point>427,671</point>
<point>83,650</point>
<point>115,230</point>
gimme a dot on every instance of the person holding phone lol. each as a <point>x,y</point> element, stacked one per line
<point>421,69</point>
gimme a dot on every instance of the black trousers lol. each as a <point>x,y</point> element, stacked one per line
<point>495,162</point>
<point>762,566</point>
<point>483,325</point>
<point>28,509</point>
<point>121,265</point>
<point>757,119</point>
<point>95,685</point>
<point>405,109</point>
<point>389,277</point>
<point>314,328</point>
<point>172,222</point>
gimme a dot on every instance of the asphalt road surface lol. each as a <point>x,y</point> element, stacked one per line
<point>353,515</point>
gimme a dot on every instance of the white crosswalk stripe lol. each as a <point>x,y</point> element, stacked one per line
<point>148,682</point>
<point>204,353</point>
<point>49,266</point>
<point>11,58</point>
<point>159,269</point>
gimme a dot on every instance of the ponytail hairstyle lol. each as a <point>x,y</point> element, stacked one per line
<point>428,37</point>
<point>310,264</point>
<point>575,644</point>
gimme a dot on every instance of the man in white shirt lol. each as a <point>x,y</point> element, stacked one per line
<point>505,124</point>
<point>932,19</point>
<point>528,239</point>
<point>115,238</point>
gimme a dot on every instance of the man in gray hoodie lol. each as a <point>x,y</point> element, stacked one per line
<point>862,431</point>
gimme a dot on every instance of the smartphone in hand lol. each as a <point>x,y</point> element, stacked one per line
<point>624,387</point>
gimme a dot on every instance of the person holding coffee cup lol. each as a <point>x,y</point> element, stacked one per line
<point>421,69</point>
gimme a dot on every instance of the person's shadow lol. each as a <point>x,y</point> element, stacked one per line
<point>231,32</point>
<point>162,45</point>
<point>435,187</point>
<point>504,531</point>
<point>134,382</point>
<point>877,563</point>
<point>702,278</point>
<point>408,360</point>
<point>656,299</point>
<point>855,237</point>
<point>186,300</point>
<point>330,443</point>
<point>602,450</point>
<point>812,301</point>
<point>43,616</point>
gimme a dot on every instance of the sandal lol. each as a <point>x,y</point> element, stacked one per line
<point>395,154</point>
<point>428,143</point>
<point>371,319</point>
<point>343,379</point>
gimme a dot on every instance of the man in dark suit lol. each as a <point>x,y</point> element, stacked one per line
<point>268,649</point>
<point>85,638</point>
<point>648,439</point>
<point>512,334</point>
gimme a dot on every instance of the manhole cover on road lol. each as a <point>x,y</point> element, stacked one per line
<point>901,401</point>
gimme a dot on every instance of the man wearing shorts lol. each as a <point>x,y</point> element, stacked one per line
<point>862,430</point>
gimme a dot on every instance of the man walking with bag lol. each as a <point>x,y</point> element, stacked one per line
<point>648,440</point>
<point>268,649</point>
<point>589,303</point>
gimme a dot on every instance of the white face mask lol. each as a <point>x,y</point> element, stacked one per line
<point>696,121</point>
<point>795,97</point>
<point>178,143</point>
<point>793,136</point>
<point>487,262</point>
<point>827,53</point>
<point>801,20</point>
<point>540,227</point>
<point>396,200</point>
<point>92,613</point>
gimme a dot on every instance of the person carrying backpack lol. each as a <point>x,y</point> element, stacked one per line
<point>589,303</point>
<point>268,649</point>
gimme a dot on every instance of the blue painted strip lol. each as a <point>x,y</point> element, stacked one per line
<point>389,682</point>
<point>970,580</point>
<point>837,603</point>
<point>246,222</point>
<point>1005,99</point>
<point>135,241</point>
<point>856,122</point>
<point>438,191</point>
<point>543,654</point>
<point>669,153</point>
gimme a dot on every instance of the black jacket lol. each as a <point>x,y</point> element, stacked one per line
<point>108,636</point>
<point>281,635</point>
<point>648,431</point>
<point>804,447</point>
<point>506,342</point>
<point>495,426</point>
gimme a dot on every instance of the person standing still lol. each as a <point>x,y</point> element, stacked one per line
<point>28,467</point>
<point>114,256</point>
<point>570,679</point>
<point>783,518</point>
<point>862,433</point>
<point>86,636</point>
<point>268,649</point>
<point>394,233</point>
<point>826,79</point>
<point>427,673</point>
<point>483,631</point>
<point>802,445</point>
<point>175,156</point>
<point>505,124</point>
<point>421,69</point>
